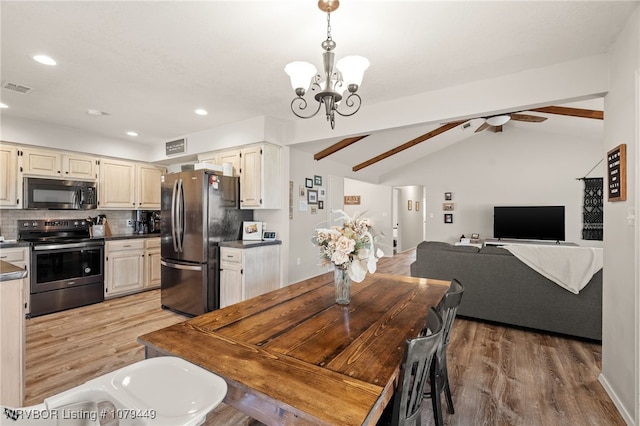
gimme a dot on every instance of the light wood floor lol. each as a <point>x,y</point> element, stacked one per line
<point>499,375</point>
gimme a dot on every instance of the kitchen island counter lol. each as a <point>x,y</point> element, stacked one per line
<point>9,271</point>
<point>240,244</point>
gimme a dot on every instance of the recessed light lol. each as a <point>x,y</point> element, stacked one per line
<point>3,105</point>
<point>96,112</point>
<point>201,111</point>
<point>132,134</point>
<point>44,59</point>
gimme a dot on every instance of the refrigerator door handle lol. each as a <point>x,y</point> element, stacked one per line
<point>180,266</point>
<point>180,215</point>
<point>174,236</point>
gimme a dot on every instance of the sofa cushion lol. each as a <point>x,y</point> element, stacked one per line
<point>441,246</point>
<point>495,250</point>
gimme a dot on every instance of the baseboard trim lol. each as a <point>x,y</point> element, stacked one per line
<point>628,418</point>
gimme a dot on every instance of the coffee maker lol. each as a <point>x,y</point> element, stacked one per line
<point>147,222</point>
<point>153,221</point>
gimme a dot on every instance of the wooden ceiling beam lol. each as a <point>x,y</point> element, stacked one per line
<point>572,112</point>
<point>337,147</point>
<point>407,145</point>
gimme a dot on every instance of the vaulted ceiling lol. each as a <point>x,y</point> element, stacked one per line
<point>149,65</point>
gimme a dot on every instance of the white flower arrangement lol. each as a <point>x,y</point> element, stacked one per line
<point>350,246</point>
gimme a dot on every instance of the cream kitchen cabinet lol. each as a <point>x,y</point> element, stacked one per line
<point>14,297</point>
<point>151,263</point>
<point>148,179</point>
<point>231,156</point>
<point>9,177</point>
<point>41,162</point>
<point>131,265</point>
<point>128,185</point>
<point>260,186</point>
<point>124,267</point>
<point>117,184</point>
<point>249,271</point>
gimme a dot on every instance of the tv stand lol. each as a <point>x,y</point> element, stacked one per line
<point>505,241</point>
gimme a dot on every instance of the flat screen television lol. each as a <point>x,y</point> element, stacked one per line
<point>529,222</point>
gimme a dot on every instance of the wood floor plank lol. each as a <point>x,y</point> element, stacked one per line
<point>499,375</point>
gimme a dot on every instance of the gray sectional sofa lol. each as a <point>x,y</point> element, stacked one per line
<point>499,287</point>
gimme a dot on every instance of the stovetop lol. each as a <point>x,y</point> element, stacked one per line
<point>53,231</point>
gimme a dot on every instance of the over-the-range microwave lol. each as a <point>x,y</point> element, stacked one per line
<point>58,194</point>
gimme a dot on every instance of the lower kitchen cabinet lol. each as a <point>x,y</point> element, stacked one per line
<point>248,272</point>
<point>14,303</point>
<point>151,263</point>
<point>131,266</point>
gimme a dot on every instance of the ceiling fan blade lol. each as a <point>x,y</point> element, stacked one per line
<point>528,118</point>
<point>572,112</point>
<point>482,127</point>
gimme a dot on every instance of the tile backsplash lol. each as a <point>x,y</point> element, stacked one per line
<point>117,219</point>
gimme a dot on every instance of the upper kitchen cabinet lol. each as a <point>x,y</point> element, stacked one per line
<point>117,184</point>
<point>127,185</point>
<point>148,179</point>
<point>8,177</point>
<point>260,186</point>
<point>40,162</point>
<point>231,156</point>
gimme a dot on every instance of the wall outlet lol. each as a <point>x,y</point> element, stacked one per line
<point>130,223</point>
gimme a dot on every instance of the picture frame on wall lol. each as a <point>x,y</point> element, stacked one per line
<point>448,207</point>
<point>320,204</point>
<point>317,180</point>
<point>312,196</point>
<point>448,196</point>
<point>448,218</point>
<point>308,183</point>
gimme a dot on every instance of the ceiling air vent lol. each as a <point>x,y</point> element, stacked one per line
<point>20,88</point>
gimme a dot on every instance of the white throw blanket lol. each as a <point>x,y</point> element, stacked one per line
<point>569,267</point>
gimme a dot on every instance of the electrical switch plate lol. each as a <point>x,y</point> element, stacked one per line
<point>130,222</point>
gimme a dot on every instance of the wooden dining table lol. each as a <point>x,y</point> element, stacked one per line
<point>293,356</point>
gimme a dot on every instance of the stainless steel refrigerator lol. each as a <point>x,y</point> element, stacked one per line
<point>199,210</point>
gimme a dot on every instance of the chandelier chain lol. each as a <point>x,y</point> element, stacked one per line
<point>329,26</point>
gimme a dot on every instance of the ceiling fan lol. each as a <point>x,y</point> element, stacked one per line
<point>495,122</point>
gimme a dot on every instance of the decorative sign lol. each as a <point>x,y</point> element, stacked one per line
<point>178,146</point>
<point>351,200</point>
<point>617,172</point>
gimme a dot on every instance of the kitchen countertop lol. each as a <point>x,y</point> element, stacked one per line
<point>13,244</point>
<point>248,244</point>
<point>9,271</point>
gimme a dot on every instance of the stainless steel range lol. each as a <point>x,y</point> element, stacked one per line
<point>67,265</point>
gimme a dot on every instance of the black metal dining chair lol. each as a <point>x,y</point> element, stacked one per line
<point>438,373</point>
<point>404,409</point>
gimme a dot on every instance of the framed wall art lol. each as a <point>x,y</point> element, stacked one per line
<point>448,218</point>
<point>308,183</point>
<point>617,173</point>
<point>312,196</point>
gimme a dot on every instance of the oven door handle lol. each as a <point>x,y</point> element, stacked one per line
<point>179,266</point>
<point>66,246</point>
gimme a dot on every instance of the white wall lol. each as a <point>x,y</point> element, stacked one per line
<point>375,205</point>
<point>520,166</point>
<point>304,257</point>
<point>410,222</point>
<point>620,342</point>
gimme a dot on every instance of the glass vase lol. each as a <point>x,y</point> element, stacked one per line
<point>343,285</point>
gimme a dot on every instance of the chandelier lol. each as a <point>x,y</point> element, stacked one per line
<point>342,80</point>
